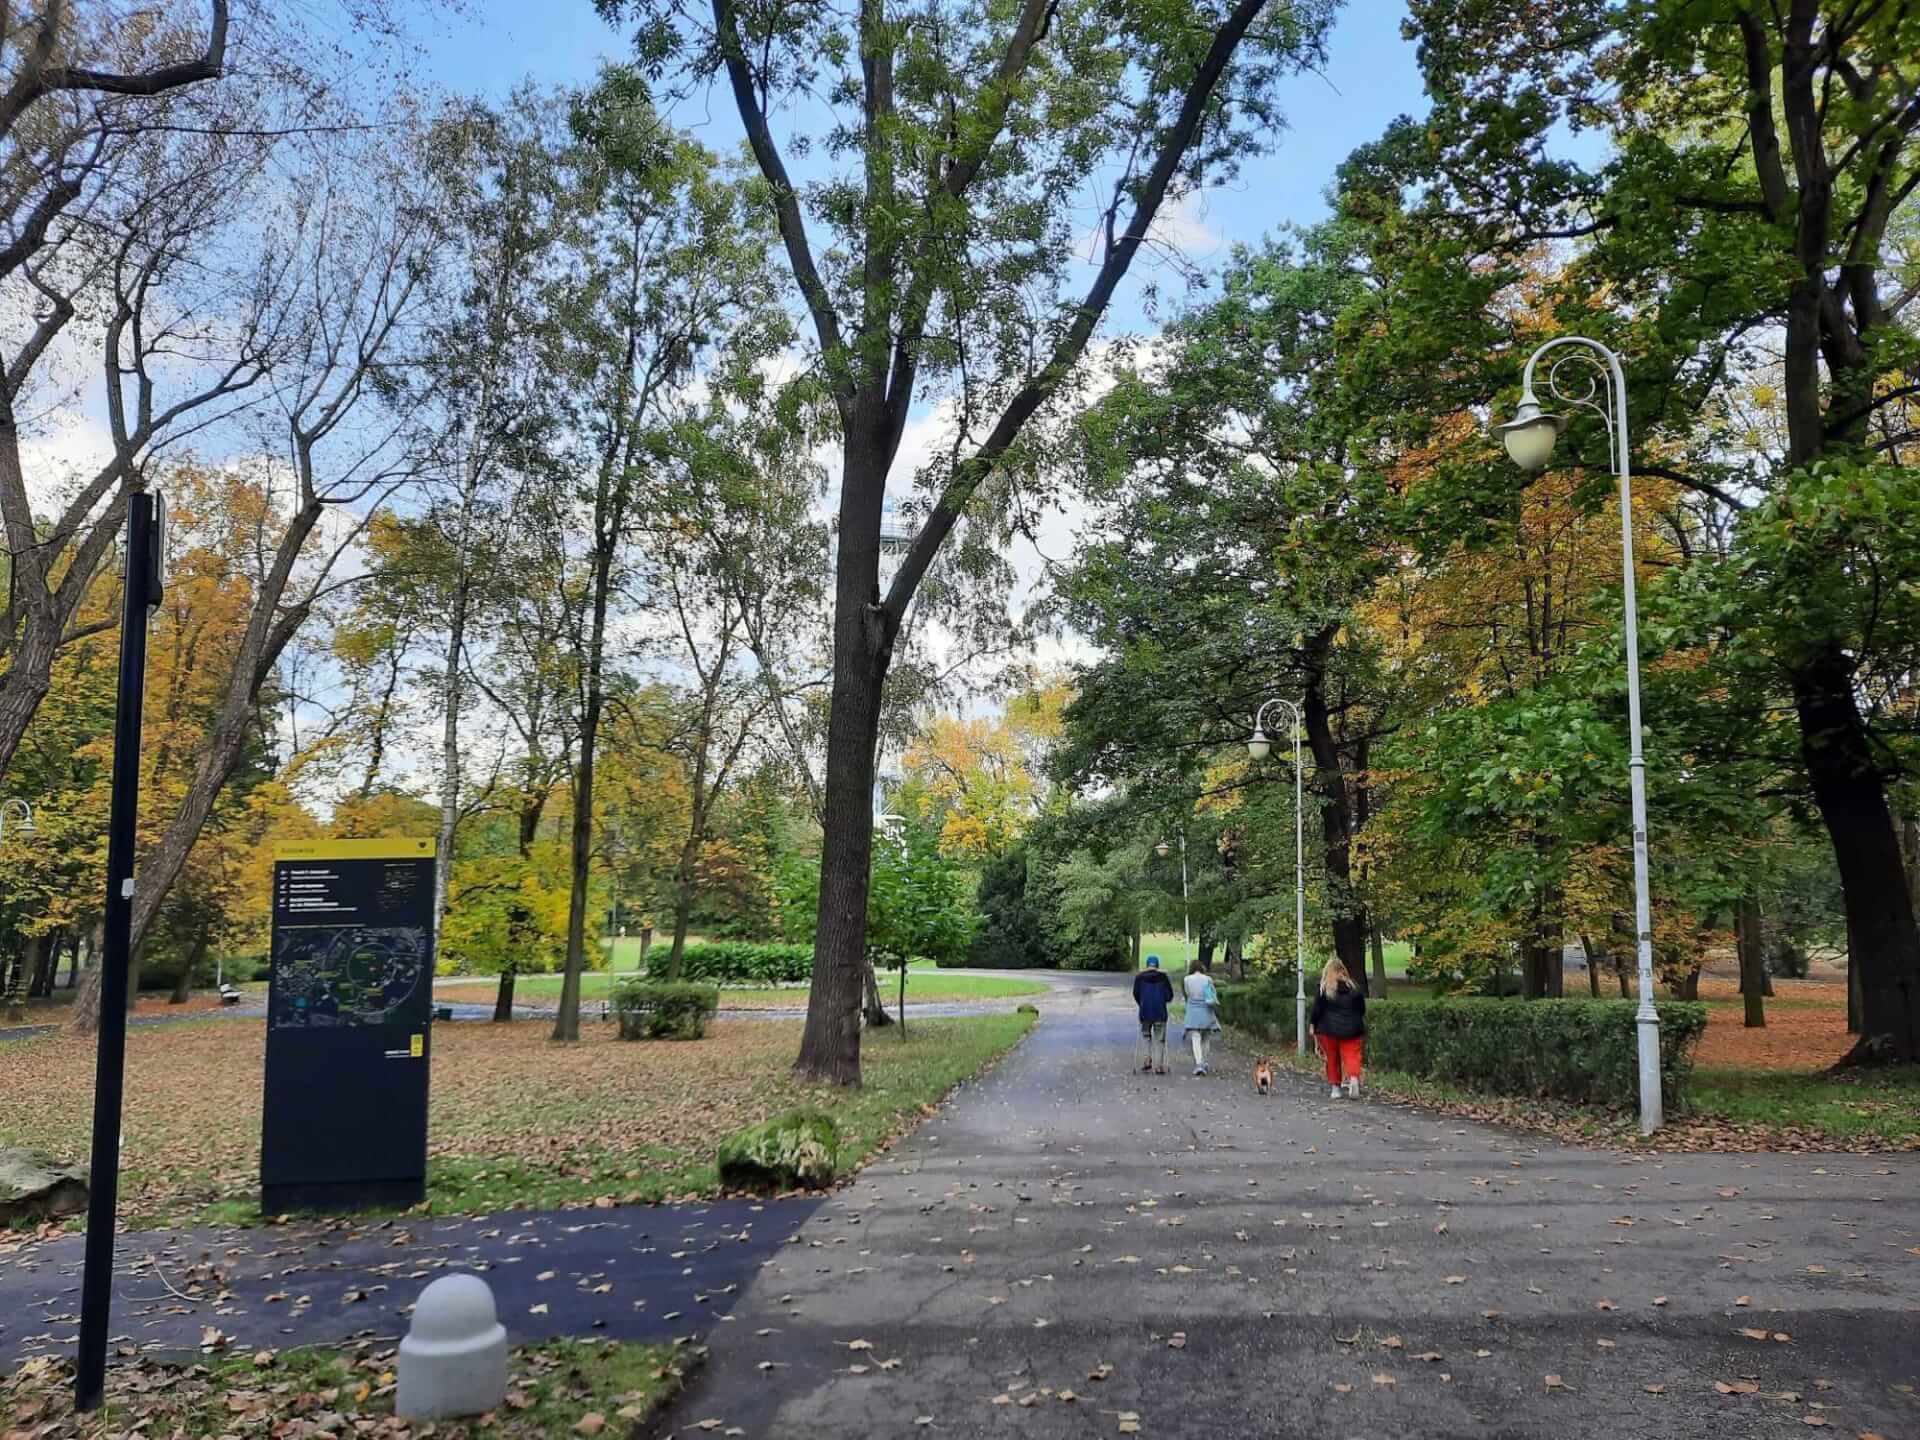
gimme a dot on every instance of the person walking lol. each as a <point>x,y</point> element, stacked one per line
<point>1153,994</point>
<point>1202,1019</point>
<point>1339,1025</point>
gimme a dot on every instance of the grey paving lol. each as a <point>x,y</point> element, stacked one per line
<point>652,1273</point>
<point>1300,1266</point>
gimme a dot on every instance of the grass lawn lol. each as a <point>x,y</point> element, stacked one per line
<point>552,1389</point>
<point>515,1121</point>
<point>922,985</point>
<point>1867,1105</point>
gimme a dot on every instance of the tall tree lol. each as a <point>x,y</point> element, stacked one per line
<point>1764,165</point>
<point>677,281</point>
<point>963,135</point>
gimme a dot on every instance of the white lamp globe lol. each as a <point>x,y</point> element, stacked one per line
<point>1161,849</point>
<point>1530,435</point>
<point>1259,747</point>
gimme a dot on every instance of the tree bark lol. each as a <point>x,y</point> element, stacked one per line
<point>873,1009</point>
<point>1753,968</point>
<point>1377,943</point>
<point>863,633</point>
<point>40,985</point>
<point>1883,945</point>
<point>503,997</point>
<point>85,1015</point>
<point>1350,925</point>
<point>1593,966</point>
<point>683,895</point>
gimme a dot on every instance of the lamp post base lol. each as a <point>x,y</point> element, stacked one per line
<point>1300,1022</point>
<point>1651,1115</point>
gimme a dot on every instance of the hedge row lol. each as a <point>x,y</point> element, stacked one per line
<point>1581,1050</point>
<point>738,962</point>
<point>663,1010</point>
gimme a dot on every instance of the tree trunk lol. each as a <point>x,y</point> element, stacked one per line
<point>85,1015</point>
<point>1594,961</point>
<point>646,944</point>
<point>683,896</point>
<point>1689,986</point>
<point>1206,950</point>
<point>26,961</point>
<point>1753,969</point>
<point>1377,943</point>
<point>183,987</point>
<point>1237,960</point>
<point>863,649</point>
<point>450,772</point>
<point>1883,945</point>
<point>40,984</point>
<point>1349,916</point>
<point>503,998</point>
<point>873,1009</point>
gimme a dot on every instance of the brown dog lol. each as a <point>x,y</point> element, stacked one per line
<point>1263,1077</point>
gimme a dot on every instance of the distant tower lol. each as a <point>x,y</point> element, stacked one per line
<point>897,535</point>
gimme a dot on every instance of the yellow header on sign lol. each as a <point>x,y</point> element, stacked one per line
<point>391,847</point>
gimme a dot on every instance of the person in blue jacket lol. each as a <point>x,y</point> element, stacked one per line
<point>1153,993</point>
<point>1202,1018</point>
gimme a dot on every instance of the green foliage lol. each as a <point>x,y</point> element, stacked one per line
<point>918,903</point>
<point>920,906</point>
<point>664,1009</point>
<point>743,962</point>
<point>1013,932</point>
<point>1263,1007</point>
<point>795,1151</point>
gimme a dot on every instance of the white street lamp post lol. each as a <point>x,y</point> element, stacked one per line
<point>1259,747</point>
<point>1186,912</point>
<point>1529,438</point>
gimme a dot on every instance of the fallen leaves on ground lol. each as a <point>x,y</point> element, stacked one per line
<point>560,1387</point>
<point>603,1113</point>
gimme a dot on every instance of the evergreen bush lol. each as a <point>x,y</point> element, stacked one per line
<point>664,1010</point>
<point>739,962</point>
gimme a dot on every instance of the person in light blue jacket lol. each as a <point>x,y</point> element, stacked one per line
<point>1203,1018</point>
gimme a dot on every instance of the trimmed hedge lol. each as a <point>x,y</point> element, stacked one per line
<point>664,1010</point>
<point>739,962</point>
<point>1586,1051</point>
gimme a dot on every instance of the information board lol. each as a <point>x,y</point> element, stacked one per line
<point>344,1124</point>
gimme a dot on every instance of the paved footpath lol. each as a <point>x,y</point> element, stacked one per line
<point>633,1273</point>
<point>1190,1259</point>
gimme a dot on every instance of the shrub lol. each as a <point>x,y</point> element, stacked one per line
<point>794,1151</point>
<point>1581,1050</point>
<point>739,962</point>
<point>1013,933</point>
<point>664,1010</point>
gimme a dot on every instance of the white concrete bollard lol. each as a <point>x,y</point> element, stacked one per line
<point>454,1358</point>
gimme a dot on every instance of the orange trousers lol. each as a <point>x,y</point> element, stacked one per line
<point>1343,1056</point>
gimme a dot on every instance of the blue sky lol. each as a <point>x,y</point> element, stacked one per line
<point>1371,77</point>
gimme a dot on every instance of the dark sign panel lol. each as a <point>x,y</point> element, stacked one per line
<point>345,1121</point>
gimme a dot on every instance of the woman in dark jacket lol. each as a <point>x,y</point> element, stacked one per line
<point>1339,1024</point>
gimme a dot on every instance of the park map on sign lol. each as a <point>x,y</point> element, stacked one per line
<point>347,975</point>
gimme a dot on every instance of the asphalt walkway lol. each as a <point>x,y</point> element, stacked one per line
<point>654,1273</point>
<point>1073,1249</point>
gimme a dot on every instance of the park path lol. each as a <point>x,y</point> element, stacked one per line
<point>1190,1259</point>
<point>654,1273</point>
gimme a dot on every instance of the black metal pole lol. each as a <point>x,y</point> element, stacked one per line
<point>142,590</point>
